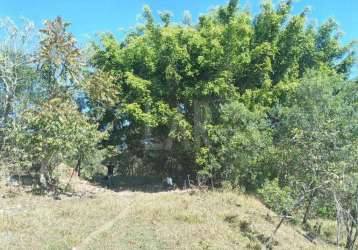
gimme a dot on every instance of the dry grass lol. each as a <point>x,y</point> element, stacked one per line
<point>102,219</point>
<point>137,220</point>
<point>97,218</point>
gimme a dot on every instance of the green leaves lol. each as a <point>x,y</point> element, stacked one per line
<point>280,199</point>
<point>153,79</point>
<point>237,145</point>
<point>55,131</point>
<point>315,136</point>
<point>59,58</point>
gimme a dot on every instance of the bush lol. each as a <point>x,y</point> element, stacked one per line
<point>49,134</point>
<point>279,199</point>
<point>238,146</point>
<point>226,185</point>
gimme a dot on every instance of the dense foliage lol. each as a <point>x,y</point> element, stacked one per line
<point>41,124</point>
<point>262,102</point>
<point>165,82</point>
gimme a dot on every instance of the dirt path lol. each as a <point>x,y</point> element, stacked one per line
<point>129,200</point>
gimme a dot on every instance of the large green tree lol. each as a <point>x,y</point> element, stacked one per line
<point>160,85</point>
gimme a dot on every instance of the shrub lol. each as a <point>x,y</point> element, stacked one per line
<point>49,134</point>
<point>279,199</point>
<point>226,185</point>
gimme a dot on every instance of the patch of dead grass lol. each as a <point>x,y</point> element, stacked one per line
<point>166,220</point>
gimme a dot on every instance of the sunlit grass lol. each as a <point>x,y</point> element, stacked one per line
<point>137,220</point>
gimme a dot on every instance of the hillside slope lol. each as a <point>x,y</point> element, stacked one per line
<point>97,218</point>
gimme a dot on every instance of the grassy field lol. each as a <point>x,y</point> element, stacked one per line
<point>104,219</point>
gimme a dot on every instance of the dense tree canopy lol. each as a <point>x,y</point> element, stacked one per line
<point>263,102</point>
<point>164,82</point>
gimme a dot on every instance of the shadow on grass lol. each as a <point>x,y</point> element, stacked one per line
<point>148,184</point>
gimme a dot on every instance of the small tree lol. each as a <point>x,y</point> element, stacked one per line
<point>59,59</point>
<point>312,134</point>
<point>17,71</point>
<point>51,133</point>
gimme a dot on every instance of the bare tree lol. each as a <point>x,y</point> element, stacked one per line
<point>346,201</point>
<point>16,58</point>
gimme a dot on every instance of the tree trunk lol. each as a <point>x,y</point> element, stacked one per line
<point>109,176</point>
<point>110,171</point>
<point>8,108</point>
<point>44,179</point>
<point>350,238</point>
<point>348,241</point>
<point>188,181</point>
<point>7,111</point>
<point>354,239</point>
<point>308,208</point>
<point>78,166</point>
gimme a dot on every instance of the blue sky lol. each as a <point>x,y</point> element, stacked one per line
<point>91,16</point>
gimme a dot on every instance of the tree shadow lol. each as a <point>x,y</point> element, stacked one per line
<point>147,184</point>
